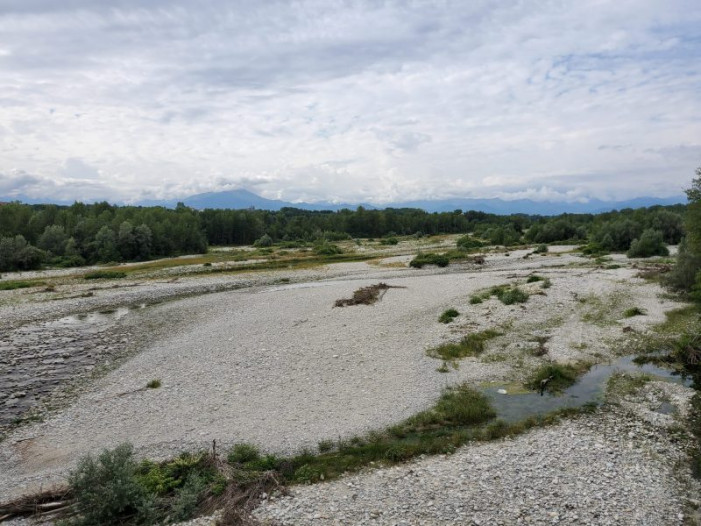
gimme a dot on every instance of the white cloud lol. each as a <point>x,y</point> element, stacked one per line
<point>364,101</point>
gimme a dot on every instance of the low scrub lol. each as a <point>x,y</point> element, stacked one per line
<point>327,249</point>
<point>470,345</point>
<point>105,274</point>
<point>429,258</point>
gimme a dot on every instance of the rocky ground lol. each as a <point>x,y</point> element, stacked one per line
<point>268,359</point>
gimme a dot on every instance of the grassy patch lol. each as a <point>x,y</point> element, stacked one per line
<point>18,284</point>
<point>448,316</point>
<point>105,274</point>
<point>470,345</point>
<point>476,299</point>
<point>154,384</point>
<point>534,278</point>
<point>554,377</point>
<point>626,384</point>
<point>602,311</point>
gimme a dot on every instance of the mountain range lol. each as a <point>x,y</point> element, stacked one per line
<point>243,199</point>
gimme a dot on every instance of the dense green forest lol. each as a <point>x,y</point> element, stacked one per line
<point>36,235</point>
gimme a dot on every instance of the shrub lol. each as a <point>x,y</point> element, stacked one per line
<point>327,249</point>
<point>429,259</point>
<point>389,241</point>
<point>242,453</point>
<point>649,244</point>
<point>533,279</point>
<point>325,446</point>
<point>511,296</point>
<point>469,242</point>
<point>448,316</point>
<point>474,300</point>
<point>683,275</point>
<point>105,274</point>
<point>634,311</point>
<point>263,241</point>
<point>541,249</point>
<point>154,384</point>
<point>107,490</point>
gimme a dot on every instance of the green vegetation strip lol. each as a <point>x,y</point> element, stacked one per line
<point>18,284</point>
<point>114,488</point>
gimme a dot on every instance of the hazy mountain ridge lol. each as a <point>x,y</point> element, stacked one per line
<point>243,199</point>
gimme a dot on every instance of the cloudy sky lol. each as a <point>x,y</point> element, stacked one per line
<point>349,100</point>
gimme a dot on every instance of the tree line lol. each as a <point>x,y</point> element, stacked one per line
<point>34,235</point>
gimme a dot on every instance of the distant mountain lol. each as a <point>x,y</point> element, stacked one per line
<point>527,206</point>
<point>243,199</point>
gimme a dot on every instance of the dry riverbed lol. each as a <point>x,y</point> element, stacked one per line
<point>265,357</point>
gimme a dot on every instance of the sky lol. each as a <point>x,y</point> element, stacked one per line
<point>349,101</point>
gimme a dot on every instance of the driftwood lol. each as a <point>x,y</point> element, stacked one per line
<point>366,295</point>
<point>42,504</point>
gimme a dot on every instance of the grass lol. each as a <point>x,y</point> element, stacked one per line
<point>625,384</point>
<point>154,384</point>
<point>562,376</point>
<point>19,284</point>
<point>475,299</point>
<point>105,274</point>
<point>448,316</point>
<point>470,345</point>
<point>633,311</point>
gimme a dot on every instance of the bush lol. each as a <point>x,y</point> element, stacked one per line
<point>264,241</point>
<point>105,274</point>
<point>633,311</point>
<point>683,275</point>
<point>511,296</point>
<point>649,244</point>
<point>107,490</point>
<point>429,259</point>
<point>469,242</point>
<point>541,249</point>
<point>327,249</point>
<point>154,384</point>
<point>474,300</point>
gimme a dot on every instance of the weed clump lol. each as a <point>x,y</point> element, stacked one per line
<point>448,316</point>
<point>327,249</point>
<point>105,274</point>
<point>154,384</point>
<point>474,300</point>
<point>633,311</point>
<point>470,345</point>
<point>429,258</point>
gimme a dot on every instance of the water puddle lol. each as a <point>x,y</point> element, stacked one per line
<point>589,389</point>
